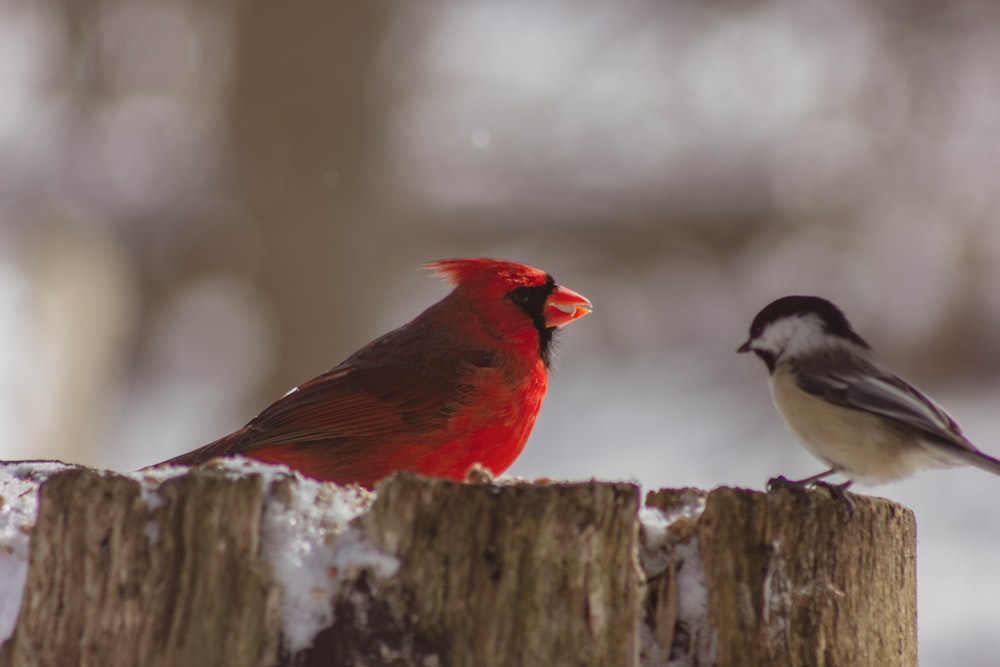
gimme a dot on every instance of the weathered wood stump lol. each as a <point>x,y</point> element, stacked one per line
<point>224,566</point>
<point>785,578</point>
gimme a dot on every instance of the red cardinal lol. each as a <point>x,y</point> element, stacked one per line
<point>460,384</point>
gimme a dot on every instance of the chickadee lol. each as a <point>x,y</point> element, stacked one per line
<point>847,408</point>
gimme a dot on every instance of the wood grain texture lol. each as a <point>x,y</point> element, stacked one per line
<point>498,575</point>
<point>793,578</point>
<point>106,588</point>
<point>516,574</point>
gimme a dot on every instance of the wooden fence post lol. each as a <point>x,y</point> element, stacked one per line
<point>785,578</point>
<point>236,566</point>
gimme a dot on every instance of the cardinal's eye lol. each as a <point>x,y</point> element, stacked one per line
<point>517,296</point>
<point>530,299</point>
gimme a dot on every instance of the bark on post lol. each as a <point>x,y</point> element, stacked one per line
<point>113,581</point>
<point>515,574</point>
<point>790,578</point>
<point>498,576</point>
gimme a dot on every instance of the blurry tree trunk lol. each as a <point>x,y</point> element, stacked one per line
<point>290,211</point>
<point>488,576</point>
<point>301,128</point>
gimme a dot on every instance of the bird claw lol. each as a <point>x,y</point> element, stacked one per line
<point>780,481</point>
<point>797,485</point>
<point>838,491</point>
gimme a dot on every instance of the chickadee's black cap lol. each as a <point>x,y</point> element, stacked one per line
<point>833,319</point>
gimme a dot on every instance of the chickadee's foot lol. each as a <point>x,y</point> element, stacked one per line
<point>781,480</point>
<point>798,486</point>
<point>839,491</point>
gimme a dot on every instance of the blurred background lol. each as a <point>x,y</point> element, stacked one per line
<point>204,204</point>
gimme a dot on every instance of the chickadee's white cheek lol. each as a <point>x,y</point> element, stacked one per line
<point>793,336</point>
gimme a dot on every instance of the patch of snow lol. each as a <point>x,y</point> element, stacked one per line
<point>662,547</point>
<point>152,532</point>
<point>654,526</point>
<point>653,531</point>
<point>305,538</point>
<point>692,601</point>
<point>241,465</point>
<point>149,485</point>
<point>18,510</point>
<point>237,465</point>
<point>691,508</point>
<point>311,549</point>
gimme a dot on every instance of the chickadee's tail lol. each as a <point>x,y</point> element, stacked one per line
<point>980,460</point>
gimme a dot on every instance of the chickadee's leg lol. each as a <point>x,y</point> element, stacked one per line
<point>781,480</point>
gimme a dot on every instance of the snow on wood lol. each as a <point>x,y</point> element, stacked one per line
<point>18,506</point>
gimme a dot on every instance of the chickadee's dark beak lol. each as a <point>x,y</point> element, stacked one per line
<point>745,347</point>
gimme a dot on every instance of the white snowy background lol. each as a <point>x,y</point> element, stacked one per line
<point>201,207</point>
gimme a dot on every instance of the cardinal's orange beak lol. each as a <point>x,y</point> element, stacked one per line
<point>564,305</point>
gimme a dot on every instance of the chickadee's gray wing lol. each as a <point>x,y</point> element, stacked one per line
<point>885,395</point>
<point>861,383</point>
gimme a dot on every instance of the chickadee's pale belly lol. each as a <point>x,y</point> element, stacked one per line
<point>864,446</point>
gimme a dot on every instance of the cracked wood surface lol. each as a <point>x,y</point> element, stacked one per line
<point>509,574</point>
